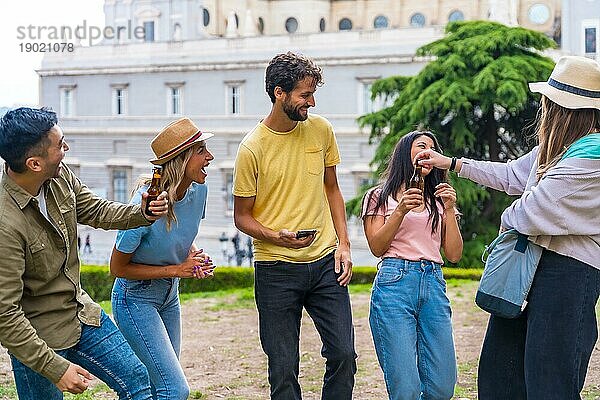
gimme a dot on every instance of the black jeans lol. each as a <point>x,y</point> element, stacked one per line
<point>282,289</point>
<point>545,352</point>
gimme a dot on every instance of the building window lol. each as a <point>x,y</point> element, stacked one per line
<point>175,98</point>
<point>234,98</point>
<point>120,185</point>
<point>539,14</point>
<point>345,24</point>
<point>363,179</point>
<point>149,31</point>
<point>417,20</point>
<point>380,22</point>
<point>456,15</point>
<point>119,100</point>
<point>177,32</point>
<point>67,96</point>
<point>590,40</point>
<point>322,25</point>
<point>261,25</point>
<point>291,25</point>
<point>228,189</point>
<point>205,17</point>
<point>590,36</point>
<point>365,104</point>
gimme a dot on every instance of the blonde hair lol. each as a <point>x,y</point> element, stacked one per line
<point>558,128</point>
<point>173,172</point>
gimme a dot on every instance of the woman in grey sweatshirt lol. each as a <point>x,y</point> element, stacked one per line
<point>545,352</point>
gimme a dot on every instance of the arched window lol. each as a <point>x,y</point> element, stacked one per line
<point>261,25</point>
<point>237,20</point>
<point>417,20</point>
<point>177,32</point>
<point>322,25</point>
<point>456,15</point>
<point>205,17</point>
<point>291,25</point>
<point>380,22</point>
<point>345,24</point>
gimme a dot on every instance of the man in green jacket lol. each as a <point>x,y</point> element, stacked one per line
<point>52,329</point>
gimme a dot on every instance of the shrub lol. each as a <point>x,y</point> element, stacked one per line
<point>97,280</point>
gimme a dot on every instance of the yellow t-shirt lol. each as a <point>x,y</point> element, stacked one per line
<point>285,171</point>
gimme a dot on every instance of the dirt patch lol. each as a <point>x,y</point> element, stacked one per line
<point>222,357</point>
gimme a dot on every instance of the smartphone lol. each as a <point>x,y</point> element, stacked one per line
<point>302,233</point>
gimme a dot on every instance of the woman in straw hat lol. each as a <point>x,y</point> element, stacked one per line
<point>545,352</point>
<point>149,261</point>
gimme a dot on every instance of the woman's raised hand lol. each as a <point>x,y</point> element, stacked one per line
<point>447,194</point>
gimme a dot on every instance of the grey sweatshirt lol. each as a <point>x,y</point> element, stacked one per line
<point>561,212</point>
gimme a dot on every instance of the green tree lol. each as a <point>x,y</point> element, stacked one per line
<point>473,95</point>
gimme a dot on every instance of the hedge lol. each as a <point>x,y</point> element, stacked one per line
<point>97,281</point>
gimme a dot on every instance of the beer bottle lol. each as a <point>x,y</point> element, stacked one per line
<point>154,188</point>
<point>417,180</point>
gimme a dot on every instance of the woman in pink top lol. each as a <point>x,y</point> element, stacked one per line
<point>410,312</point>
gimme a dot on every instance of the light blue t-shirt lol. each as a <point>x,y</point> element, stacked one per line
<point>155,245</point>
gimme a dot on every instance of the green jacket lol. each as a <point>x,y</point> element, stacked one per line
<point>42,304</point>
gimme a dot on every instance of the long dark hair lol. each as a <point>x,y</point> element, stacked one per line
<point>399,170</point>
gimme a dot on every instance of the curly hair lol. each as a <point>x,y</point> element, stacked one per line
<point>286,70</point>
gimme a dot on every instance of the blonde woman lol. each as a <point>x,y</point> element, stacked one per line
<point>149,261</point>
<point>544,353</point>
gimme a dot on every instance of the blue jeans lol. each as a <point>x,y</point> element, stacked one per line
<point>282,290</point>
<point>104,352</point>
<point>412,331</point>
<point>545,352</point>
<point>148,314</point>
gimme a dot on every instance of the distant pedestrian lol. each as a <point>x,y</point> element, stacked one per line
<point>88,245</point>
<point>78,243</point>
<point>237,250</point>
<point>224,239</point>
<point>250,250</point>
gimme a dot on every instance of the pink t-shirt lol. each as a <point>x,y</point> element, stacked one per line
<point>414,240</point>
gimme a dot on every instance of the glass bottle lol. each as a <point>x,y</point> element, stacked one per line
<point>154,188</point>
<point>417,180</point>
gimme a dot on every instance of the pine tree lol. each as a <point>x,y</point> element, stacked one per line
<point>473,95</point>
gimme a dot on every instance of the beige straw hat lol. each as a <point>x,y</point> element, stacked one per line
<point>574,83</point>
<point>175,138</point>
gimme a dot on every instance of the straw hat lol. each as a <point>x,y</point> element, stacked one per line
<point>574,83</point>
<point>175,138</point>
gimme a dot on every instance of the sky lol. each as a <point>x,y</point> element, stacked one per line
<point>18,79</point>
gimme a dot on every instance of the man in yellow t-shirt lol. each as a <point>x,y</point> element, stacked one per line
<point>285,181</point>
